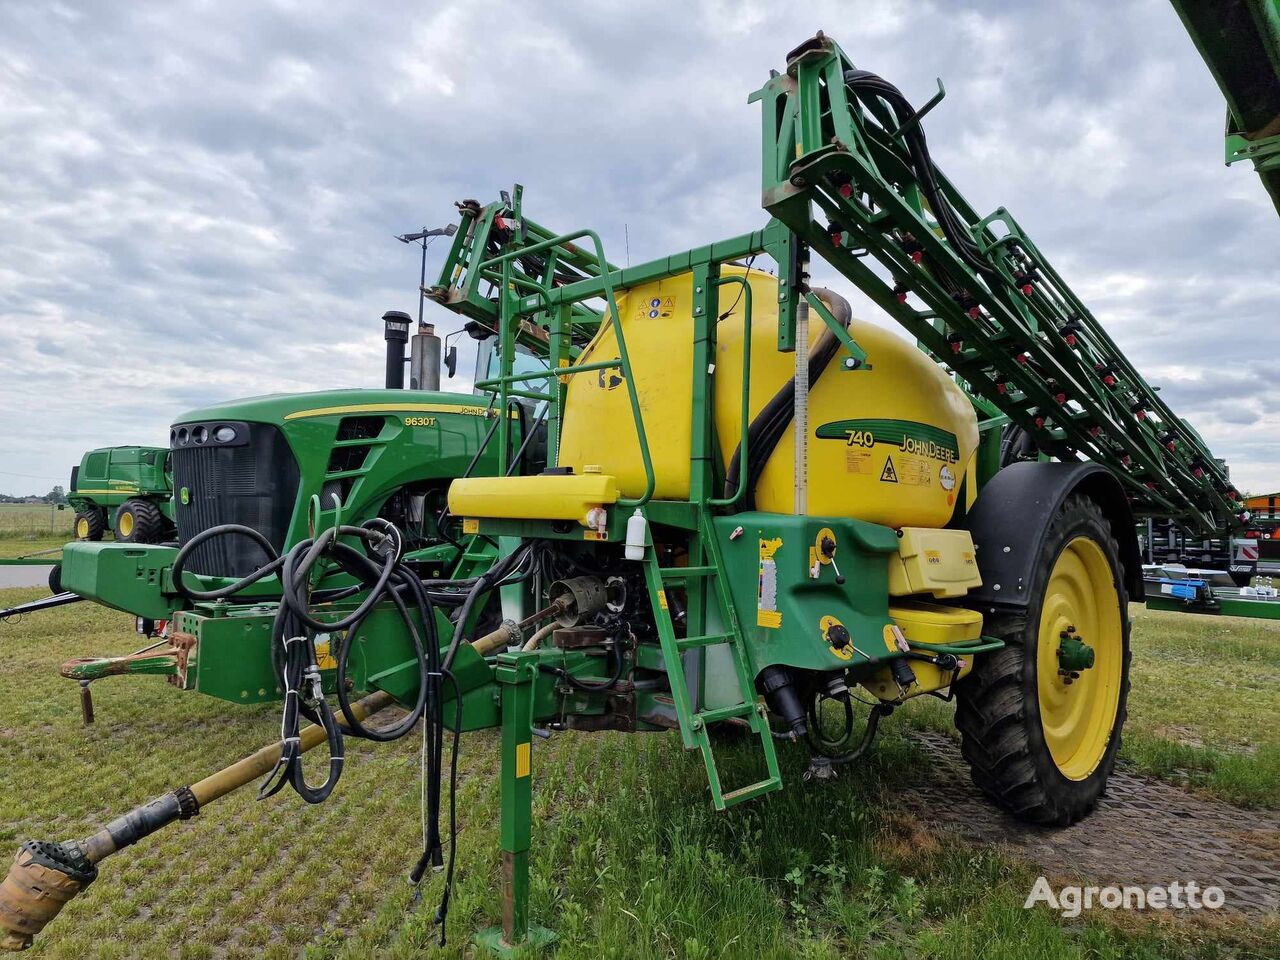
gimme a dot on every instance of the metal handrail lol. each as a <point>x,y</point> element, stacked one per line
<point>624,357</point>
<point>746,396</point>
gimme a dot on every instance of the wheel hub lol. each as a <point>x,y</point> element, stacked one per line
<point>1074,655</point>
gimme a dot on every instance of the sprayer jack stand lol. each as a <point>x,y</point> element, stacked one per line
<point>517,672</point>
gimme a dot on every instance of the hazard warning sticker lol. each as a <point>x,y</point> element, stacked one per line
<point>888,474</point>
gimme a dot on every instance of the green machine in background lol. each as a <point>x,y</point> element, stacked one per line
<point>1240,43</point>
<point>124,490</point>
<point>283,466</point>
<point>753,504</point>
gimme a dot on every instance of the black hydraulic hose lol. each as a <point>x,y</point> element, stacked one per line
<point>868,736</point>
<point>1016,444</point>
<point>585,686</point>
<point>295,659</point>
<point>275,561</point>
<point>769,425</point>
<point>869,86</point>
<point>491,578</point>
<point>301,676</point>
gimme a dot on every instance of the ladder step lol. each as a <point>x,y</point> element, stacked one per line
<point>707,640</point>
<point>685,573</point>
<point>751,790</point>
<point>709,717</point>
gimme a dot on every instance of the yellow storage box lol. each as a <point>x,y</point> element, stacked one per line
<point>939,562</point>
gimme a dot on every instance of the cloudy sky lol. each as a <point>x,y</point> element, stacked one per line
<point>197,201</point>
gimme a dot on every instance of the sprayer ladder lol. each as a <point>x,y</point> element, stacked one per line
<point>704,565</point>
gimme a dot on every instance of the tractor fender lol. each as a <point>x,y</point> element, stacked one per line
<point>1012,514</point>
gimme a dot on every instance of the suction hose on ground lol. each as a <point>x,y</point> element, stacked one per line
<point>45,876</point>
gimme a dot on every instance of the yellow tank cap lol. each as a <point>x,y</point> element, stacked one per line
<point>554,497</point>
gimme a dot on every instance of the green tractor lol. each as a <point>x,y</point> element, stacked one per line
<point>285,465</point>
<point>125,491</point>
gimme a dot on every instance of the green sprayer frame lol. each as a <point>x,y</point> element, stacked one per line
<point>838,180</point>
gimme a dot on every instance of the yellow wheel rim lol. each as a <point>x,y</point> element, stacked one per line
<point>1078,717</point>
<point>82,528</point>
<point>124,526</point>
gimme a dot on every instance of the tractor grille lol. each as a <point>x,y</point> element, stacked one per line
<point>251,480</point>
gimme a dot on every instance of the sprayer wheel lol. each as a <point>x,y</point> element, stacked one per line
<point>1040,732</point>
<point>90,525</point>
<point>139,521</point>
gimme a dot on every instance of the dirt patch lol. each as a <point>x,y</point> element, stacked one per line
<point>1144,832</point>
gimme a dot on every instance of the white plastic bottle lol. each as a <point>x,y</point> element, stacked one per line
<point>635,536</point>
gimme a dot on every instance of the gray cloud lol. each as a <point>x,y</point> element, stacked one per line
<point>198,199</point>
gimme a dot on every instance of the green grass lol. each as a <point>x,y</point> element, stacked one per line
<point>31,521</point>
<point>629,860</point>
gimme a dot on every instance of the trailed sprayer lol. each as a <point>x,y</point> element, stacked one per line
<point>755,505</point>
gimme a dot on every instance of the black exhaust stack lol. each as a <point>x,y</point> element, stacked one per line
<point>396,333</point>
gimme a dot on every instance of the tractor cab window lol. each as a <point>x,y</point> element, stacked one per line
<point>525,362</point>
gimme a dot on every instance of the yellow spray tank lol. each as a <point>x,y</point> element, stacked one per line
<point>888,444</point>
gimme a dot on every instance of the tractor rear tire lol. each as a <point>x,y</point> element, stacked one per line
<point>139,521</point>
<point>90,524</point>
<point>1040,742</point>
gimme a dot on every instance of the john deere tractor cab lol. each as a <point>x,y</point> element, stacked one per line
<point>754,503</point>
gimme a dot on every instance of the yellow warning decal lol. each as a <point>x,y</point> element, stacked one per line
<point>324,656</point>
<point>662,599</point>
<point>524,759</point>
<point>470,526</point>
<point>888,474</point>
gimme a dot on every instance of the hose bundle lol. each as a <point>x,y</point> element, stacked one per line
<point>871,89</point>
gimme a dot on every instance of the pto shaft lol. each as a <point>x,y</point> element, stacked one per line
<point>45,875</point>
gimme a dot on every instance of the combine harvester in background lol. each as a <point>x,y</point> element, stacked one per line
<point>123,490</point>
<point>755,504</point>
